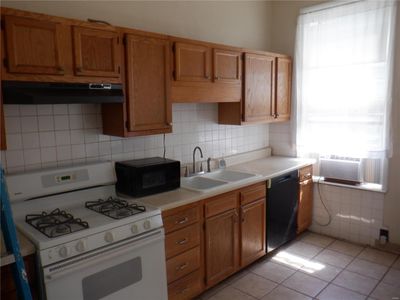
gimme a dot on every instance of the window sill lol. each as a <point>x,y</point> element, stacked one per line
<point>371,187</point>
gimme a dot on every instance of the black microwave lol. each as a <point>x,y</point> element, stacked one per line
<point>147,176</point>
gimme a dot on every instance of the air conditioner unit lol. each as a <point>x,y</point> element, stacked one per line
<point>341,170</point>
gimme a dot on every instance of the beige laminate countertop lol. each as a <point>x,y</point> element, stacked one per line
<point>26,248</point>
<point>266,168</point>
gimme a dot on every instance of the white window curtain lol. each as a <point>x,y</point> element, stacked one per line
<point>343,69</point>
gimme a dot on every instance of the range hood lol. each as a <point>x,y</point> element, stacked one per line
<point>21,92</point>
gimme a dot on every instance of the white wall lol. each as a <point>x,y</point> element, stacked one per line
<point>284,16</point>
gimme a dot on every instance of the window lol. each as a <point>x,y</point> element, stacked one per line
<point>344,61</point>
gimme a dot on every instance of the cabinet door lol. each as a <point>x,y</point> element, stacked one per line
<point>192,62</point>
<point>252,243</point>
<point>258,104</point>
<point>227,66</point>
<point>96,52</point>
<point>283,88</point>
<point>221,237</point>
<point>33,46</point>
<point>148,78</point>
<point>304,213</point>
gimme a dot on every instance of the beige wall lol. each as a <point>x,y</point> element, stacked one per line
<point>284,18</point>
<point>236,23</point>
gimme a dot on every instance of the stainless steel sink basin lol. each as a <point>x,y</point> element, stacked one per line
<point>229,176</point>
<point>206,182</point>
<point>200,183</point>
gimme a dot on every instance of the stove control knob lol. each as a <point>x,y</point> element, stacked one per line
<point>80,246</point>
<point>147,224</point>
<point>109,237</point>
<point>134,229</point>
<point>64,251</point>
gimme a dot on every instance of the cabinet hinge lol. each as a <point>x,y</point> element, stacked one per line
<point>174,74</point>
<point>5,62</point>
<point>173,48</point>
<point>124,40</point>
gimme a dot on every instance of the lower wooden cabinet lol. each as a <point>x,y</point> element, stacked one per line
<point>211,239</point>
<point>304,213</point>
<point>221,237</point>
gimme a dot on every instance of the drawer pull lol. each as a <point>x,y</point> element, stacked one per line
<point>184,291</point>
<point>182,221</point>
<point>182,242</point>
<point>181,267</point>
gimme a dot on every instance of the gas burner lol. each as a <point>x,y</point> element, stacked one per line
<point>56,223</point>
<point>115,208</point>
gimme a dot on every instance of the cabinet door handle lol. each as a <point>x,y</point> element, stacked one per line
<point>181,267</point>
<point>182,242</point>
<point>236,219</point>
<point>183,291</point>
<point>182,221</point>
<point>242,213</point>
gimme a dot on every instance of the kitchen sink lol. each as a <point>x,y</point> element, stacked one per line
<point>229,176</point>
<point>205,182</point>
<point>200,183</point>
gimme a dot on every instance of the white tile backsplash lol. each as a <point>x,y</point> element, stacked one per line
<point>357,215</point>
<point>40,136</point>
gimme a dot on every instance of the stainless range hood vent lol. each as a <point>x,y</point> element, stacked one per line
<point>19,92</point>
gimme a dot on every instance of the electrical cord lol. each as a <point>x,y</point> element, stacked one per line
<point>323,203</point>
<point>164,146</point>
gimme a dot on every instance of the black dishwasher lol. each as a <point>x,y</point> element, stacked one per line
<point>282,204</point>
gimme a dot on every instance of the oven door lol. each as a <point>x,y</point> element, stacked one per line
<point>133,269</point>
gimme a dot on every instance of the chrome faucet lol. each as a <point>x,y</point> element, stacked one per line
<point>194,157</point>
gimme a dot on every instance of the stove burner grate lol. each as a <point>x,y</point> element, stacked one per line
<point>115,208</point>
<point>56,223</point>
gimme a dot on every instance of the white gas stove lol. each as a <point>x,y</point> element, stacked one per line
<point>90,242</point>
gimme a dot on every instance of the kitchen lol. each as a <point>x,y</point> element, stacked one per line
<point>175,55</point>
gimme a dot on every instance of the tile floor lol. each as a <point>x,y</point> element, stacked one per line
<point>315,267</point>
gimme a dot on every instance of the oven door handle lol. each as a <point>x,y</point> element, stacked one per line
<point>61,269</point>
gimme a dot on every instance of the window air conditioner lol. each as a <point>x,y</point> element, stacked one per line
<point>341,170</point>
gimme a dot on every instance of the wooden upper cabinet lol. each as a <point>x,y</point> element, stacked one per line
<point>33,46</point>
<point>227,66</point>
<point>258,102</point>
<point>283,88</point>
<point>96,52</point>
<point>148,84</point>
<point>221,237</point>
<point>192,62</point>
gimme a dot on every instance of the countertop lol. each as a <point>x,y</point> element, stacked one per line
<point>266,168</point>
<point>26,248</point>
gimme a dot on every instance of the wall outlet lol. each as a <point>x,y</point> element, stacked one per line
<point>383,236</point>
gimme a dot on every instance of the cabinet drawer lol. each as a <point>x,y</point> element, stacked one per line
<point>183,264</point>
<point>253,193</point>
<point>182,240</point>
<point>305,173</point>
<point>182,218</point>
<point>186,287</point>
<point>220,204</point>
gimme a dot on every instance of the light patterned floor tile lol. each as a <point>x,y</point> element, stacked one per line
<point>346,248</point>
<point>320,270</point>
<point>333,258</point>
<point>397,264</point>
<point>367,268</point>
<point>386,291</point>
<point>230,293</point>
<point>377,256</point>
<point>236,276</point>
<point>334,292</point>
<point>212,291</point>
<point>254,285</point>
<point>305,284</point>
<point>392,277</point>
<point>283,293</point>
<point>273,271</point>
<point>303,250</point>
<point>355,282</point>
<point>317,240</point>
